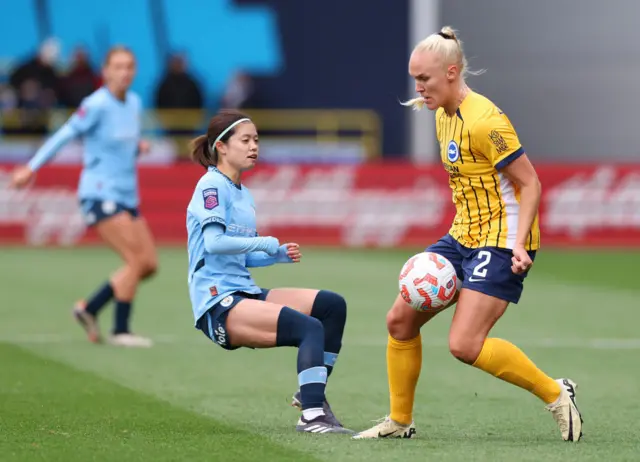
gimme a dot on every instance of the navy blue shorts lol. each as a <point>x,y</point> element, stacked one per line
<point>95,210</point>
<point>485,269</point>
<point>214,322</point>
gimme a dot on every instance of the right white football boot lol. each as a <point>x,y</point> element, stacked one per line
<point>565,411</point>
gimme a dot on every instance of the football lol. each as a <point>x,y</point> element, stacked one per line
<point>428,282</point>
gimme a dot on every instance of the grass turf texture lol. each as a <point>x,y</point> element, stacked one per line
<point>187,399</point>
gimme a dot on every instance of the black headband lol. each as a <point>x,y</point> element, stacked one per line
<point>445,36</point>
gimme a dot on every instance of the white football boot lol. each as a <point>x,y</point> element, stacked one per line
<point>88,322</point>
<point>565,411</point>
<point>130,340</point>
<point>387,428</point>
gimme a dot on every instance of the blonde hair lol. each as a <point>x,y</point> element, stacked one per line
<point>449,47</point>
<point>115,50</point>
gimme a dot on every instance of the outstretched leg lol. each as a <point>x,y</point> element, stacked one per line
<point>475,315</point>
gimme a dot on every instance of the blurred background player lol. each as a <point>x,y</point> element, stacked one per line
<point>492,243</point>
<point>229,308</point>
<point>109,122</point>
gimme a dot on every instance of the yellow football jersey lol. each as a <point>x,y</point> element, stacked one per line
<point>475,144</point>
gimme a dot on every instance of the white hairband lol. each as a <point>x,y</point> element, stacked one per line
<point>225,131</point>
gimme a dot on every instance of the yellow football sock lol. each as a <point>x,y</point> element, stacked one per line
<point>404,361</point>
<point>506,361</point>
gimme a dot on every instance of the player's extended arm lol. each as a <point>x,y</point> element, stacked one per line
<point>522,173</point>
<point>83,120</point>
<point>258,259</point>
<point>216,241</point>
<point>65,134</point>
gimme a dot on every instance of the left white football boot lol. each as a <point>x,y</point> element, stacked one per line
<point>387,428</point>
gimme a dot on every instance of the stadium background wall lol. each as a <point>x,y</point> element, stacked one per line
<point>382,205</point>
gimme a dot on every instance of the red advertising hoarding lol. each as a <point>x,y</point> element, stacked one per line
<point>382,205</point>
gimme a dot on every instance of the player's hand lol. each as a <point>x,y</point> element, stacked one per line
<point>21,177</point>
<point>144,147</point>
<point>521,261</point>
<point>293,252</point>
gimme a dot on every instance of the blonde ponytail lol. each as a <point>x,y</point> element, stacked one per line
<point>446,44</point>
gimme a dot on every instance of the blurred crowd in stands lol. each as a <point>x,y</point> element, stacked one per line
<point>40,83</point>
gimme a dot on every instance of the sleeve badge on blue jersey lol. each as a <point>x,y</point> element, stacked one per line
<point>210,196</point>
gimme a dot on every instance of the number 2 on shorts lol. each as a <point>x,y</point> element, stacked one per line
<point>480,270</point>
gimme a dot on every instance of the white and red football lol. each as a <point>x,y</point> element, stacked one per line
<point>428,281</point>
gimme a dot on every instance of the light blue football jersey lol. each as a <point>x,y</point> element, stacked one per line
<point>216,199</point>
<point>110,130</point>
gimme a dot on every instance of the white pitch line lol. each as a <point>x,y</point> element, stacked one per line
<point>577,343</point>
<point>168,339</point>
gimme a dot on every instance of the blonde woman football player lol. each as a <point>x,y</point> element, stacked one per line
<point>492,243</point>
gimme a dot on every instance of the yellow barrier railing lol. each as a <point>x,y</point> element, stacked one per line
<point>310,125</point>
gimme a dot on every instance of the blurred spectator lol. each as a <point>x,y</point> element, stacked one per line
<point>178,89</point>
<point>239,93</point>
<point>36,81</point>
<point>8,99</point>
<point>79,82</point>
<point>36,84</point>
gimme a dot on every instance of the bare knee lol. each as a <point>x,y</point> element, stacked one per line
<point>142,265</point>
<point>148,267</point>
<point>464,349</point>
<point>401,327</point>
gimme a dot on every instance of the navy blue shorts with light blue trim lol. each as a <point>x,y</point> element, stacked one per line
<point>95,210</point>
<point>213,323</point>
<point>485,269</point>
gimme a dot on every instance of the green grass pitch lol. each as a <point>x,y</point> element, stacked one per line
<point>62,399</point>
